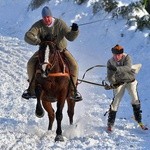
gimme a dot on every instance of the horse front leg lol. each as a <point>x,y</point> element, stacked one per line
<point>59,117</point>
<point>39,112</point>
<point>70,111</point>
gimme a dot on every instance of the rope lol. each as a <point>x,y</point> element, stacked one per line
<point>91,82</point>
<point>81,80</point>
<point>82,24</point>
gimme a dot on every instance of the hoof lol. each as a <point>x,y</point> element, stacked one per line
<point>59,138</point>
<point>39,113</point>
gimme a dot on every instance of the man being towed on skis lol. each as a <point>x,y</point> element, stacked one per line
<point>121,76</point>
<point>58,30</point>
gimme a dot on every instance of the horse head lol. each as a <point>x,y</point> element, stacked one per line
<point>47,54</point>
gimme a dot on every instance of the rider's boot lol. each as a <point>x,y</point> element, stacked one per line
<point>27,94</point>
<point>30,92</point>
<point>137,112</point>
<point>76,96</point>
<point>138,115</point>
<point>111,120</point>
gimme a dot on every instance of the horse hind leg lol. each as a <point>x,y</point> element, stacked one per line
<point>70,111</point>
<point>51,114</point>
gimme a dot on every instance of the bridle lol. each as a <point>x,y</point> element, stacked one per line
<point>46,67</point>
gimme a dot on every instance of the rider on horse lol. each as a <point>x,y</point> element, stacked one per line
<point>59,32</point>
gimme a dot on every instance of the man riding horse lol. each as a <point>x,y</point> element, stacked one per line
<point>58,31</point>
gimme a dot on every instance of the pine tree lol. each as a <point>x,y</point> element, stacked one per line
<point>34,4</point>
<point>146,4</point>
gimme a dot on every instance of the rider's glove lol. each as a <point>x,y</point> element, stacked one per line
<point>107,87</point>
<point>74,27</point>
<point>112,67</point>
<point>115,86</point>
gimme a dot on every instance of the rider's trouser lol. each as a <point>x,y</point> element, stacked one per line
<point>73,66</point>
<point>74,70</point>
<point>119,92</point>
<point>31,72</point>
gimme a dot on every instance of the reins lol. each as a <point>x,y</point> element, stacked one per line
<point>58,56</point>
<point>63,73</point>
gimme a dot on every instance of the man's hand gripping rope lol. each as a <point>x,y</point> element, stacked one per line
<point>111,86</point>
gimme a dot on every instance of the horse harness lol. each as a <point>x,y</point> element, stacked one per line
<point>57,53</point>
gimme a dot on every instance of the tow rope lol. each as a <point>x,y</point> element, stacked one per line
<point>81,80</point>
<point>92,82</point>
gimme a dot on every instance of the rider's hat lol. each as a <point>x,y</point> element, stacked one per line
<point>46,12</point>
<point>117,49</point>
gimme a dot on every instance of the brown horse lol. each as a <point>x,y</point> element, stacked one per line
<point>52,85</point>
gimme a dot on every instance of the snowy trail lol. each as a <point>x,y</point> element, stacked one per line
<point>20,129</point>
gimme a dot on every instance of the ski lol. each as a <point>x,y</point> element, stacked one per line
<point>143,127</point>
<point>109,129</point>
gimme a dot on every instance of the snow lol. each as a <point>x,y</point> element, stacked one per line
<point>21,129</point>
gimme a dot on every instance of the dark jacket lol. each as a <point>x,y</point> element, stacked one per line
<point>124,73</point>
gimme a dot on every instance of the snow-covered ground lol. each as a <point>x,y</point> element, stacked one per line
<point>21,129</point>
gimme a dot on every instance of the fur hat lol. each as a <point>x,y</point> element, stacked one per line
<point>46,12</point>
<point>117,49</point>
